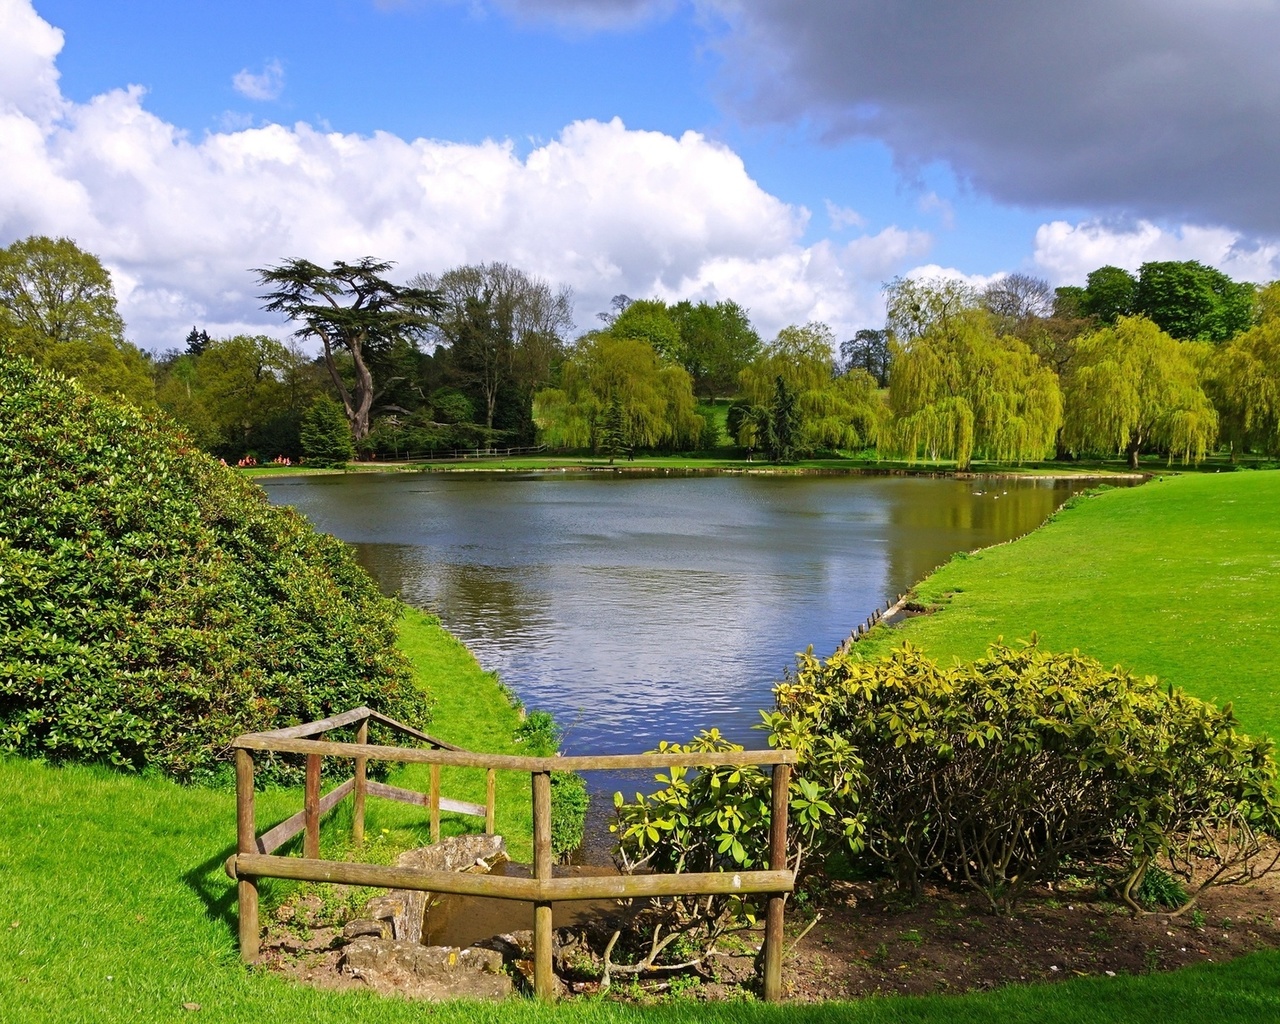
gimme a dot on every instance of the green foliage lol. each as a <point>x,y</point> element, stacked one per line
<point>1159,890</point>
<point>540,733</point>
<point>326,435</point>
<point>153,605</point>
<point>958,391</point>
<point>1192,302</point>
<point>1111,293</point>
<point>716,342</point>
<point>1244,380</point>
<point>655,401</point>
<point>58,308</point>
<point>1133,387</point>
<point>994,773</point>
<point>828,411</point>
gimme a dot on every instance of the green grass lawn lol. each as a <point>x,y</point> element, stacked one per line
<point>114,907</point>
<point>1179,578</point>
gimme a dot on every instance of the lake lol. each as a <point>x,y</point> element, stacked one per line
<point>642,607</point>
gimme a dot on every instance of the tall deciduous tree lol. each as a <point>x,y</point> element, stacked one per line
<point>960,391</point>
<point>503,331</point>
<point>1111,292</point>
<point>716,342</point>
<point>1244,382</point>
<point>867,350</point>
<point>833,411</point>
<point>57,306</point>
<point>654,400</point>
<point>352,309</point>
<point>1193,302</point>
<point>1133,387</point>
<point>52,291</point>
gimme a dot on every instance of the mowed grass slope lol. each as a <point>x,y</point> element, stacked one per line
<point>1178,578</point>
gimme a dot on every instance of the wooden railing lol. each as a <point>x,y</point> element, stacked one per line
<point>256,854</point>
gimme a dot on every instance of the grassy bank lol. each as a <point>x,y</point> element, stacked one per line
<point>1179,578</point>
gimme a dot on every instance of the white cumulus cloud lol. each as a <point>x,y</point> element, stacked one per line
<point>181,220</point>
<point>1067,252</point>
<point>267,84</point>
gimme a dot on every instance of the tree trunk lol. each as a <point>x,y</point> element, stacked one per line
<point>1133,449</point>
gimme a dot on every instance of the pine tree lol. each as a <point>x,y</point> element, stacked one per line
<point>326,435</point>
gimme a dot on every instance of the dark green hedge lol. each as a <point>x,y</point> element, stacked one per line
<point>153,605</point>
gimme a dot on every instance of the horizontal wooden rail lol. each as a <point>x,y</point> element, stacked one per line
<point>513,762</point>
<point>409,796</point>
<point>293,732</point>
<point>275,838</point>
<point>527,890</point>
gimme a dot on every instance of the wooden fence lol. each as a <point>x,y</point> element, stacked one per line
<point>256,854</point>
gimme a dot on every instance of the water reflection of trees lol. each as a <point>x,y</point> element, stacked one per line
<point>930,523</point>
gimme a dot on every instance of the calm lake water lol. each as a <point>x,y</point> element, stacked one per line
<point>641,608</point>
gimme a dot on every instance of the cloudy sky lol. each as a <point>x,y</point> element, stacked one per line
<point>790,154</point>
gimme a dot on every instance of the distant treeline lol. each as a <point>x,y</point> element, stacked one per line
<point>1178,360</point>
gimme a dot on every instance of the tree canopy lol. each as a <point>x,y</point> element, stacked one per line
<point>58,307</point>
<point>960,391</point>
<point>830,411</point>
<point>651,401</point>
<point>1192,302</point>
<point>350,308</point>
<point>1133,387</point>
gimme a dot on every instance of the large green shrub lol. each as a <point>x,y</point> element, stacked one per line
<point>153,605</point>
<point>995,774</point>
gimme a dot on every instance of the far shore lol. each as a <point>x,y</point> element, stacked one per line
<point>687,467</point>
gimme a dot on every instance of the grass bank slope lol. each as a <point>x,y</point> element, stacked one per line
<point>1179,578</point>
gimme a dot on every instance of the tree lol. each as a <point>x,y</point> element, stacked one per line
<point>326,435</point>
<point>716,342</point>
<point>1015,298</point>
<point>960,391</point>
<point>57,306</point>
<point>1110,293</point>
<point>832,411</point>
<point>197,342</point>
<point>52,292</point>
<point>353,310</point>
<point>784,422</point>
<point>652,321</point>
<point>1133,387</point>
<point>504,333</point>
<point>655,400</point>
<point>912,307</point>
<point>1193,302</point>
<point>867,350</point>
<point>1244,381</point>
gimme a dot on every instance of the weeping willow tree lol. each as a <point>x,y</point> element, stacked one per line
<point>1243,378</point>
<point>622,386</point>
<point>959,391</point>
<point>1132,387</point>
<point>829,411</point>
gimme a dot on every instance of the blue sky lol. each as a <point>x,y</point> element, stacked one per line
<point>450,71</point>
<point>917,143</point>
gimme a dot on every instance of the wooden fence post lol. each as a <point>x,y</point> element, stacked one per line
<point>311,809</point>
<point>362,785</point>
<point>777,862</point>
<point>246,842</point>
<point>433,801</point>
<point>490,803</point>
<point>544,981</point>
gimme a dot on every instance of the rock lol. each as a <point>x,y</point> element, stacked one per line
<point>363,926</point>
<point>404,909</point>
<point>427,972</point>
